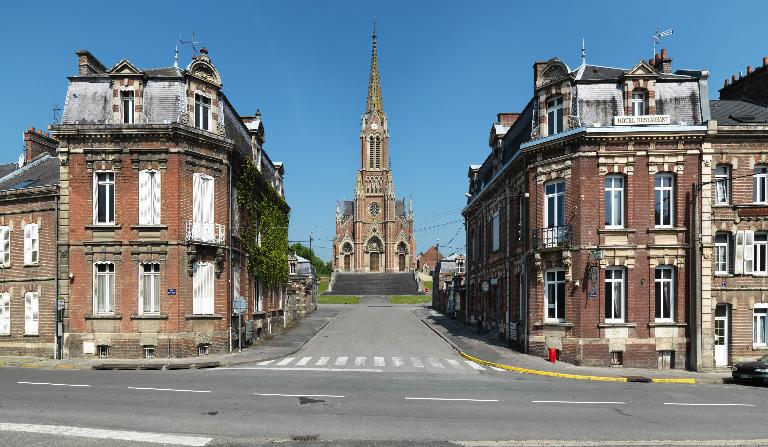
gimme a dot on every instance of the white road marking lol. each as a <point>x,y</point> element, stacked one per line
<point>322,361</point>
<point>417,362</point>
<point>497,369</point>
<point>298,395</point>
<point>285,361</point>
<point>454,363</point>
<point>303,361</point>
<point>359,361</point>
<point>310,368</point>
<point>397,361</point>
<point>451,399</point>
<point>434,363</point>
<point>474,365</point>
<point>617,442</point>
<point>341,361</point>
<point>122,435</point>
<point>707,405</point>
<point>52,384</point>
<point>166,389</point>
<point>575,402</point>
<point>265,362</point>
<point>378,361</point>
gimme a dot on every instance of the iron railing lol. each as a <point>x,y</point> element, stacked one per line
<point>551,237</point>
<point>205,233</point>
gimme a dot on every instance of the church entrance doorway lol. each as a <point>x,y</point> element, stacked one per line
<point>401,262</point>
<point>347,263</point>
<point>374,261</point>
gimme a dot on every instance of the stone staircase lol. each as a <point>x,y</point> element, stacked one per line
<point>374,284</point>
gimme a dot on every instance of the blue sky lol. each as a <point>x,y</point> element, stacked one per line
<point>447,68</point>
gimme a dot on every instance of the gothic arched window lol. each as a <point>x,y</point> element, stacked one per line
<point>377,158</point>
<point>370,152</point>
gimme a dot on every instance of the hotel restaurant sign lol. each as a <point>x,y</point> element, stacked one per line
<point>640,120</point>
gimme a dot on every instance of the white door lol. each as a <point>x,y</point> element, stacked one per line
<point>721,335</point>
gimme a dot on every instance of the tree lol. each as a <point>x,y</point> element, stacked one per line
<point>322,267</point>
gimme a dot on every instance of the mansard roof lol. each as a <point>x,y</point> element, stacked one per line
<point>42,171</point>
<point>738,113</point>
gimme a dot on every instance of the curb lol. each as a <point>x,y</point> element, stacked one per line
<point>538,372</point>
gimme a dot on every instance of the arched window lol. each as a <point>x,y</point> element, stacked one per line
<point>370,152</point>
<point>377,158</point>
<point>346,248</point>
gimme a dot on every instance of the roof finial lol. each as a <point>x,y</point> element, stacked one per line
<point>583,52</point>
<point>374,83</point>
<point>176,56</point>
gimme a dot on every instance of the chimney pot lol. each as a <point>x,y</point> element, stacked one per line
<point>663,53</point>
<point>749,69</point>
<point>658,57</point>
<point>725,83</point>
<point>733,78</point>
<point>765,61</point>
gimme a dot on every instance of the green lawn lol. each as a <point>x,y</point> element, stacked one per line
<point>410,299</point>
<point>324,280</point>
<point>338,299</point>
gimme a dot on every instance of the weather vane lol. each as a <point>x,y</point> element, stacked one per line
<point>658,35</point>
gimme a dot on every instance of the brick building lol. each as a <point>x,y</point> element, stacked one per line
<point>28,209</point>
<point>149,230</point>
<point>734,224</point>
<point>302,286</point>
<point>448,284</point>
<point>577,224</point>
<point>374,232</point>
<point>428,259</point>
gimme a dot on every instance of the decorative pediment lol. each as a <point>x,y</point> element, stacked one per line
<point>347,245</point>
<point>554,72</point>
<point>125,68</point>
<point>202,69</point>
<point>642,70</point>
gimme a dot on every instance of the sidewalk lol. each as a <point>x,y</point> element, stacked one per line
<point>494,352</point>
<point>280,345</point>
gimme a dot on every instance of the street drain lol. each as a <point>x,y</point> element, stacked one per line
<point>305,438</point>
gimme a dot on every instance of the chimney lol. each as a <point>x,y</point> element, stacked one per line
<point>88,63</point>
<point>725,83</point>
<point>733,78</point>
<point>749,69</point>
<point>765,61</point>
<point>506,118</point>
<point>37,143</point>
<point>663,63</point>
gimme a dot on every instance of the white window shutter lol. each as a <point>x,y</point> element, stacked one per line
<point>749,251</point>
<point>209,291</point>
<point>6,241</point>
<point>27,244</point>
<point>209,202</point>
<point>5,313</point>
<point>155,213</point>
<point>35,241</point>
<point>738,263</point>
<point>144,198</point>
<point>197,200</point>
<point>196,292</point>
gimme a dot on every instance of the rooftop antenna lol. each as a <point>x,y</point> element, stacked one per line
<point>583,52</point>
<point>56,110</point>
<point>192,43</point>
<point>658,35</point>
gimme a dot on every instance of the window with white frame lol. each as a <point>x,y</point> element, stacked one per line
<point>104,288</point>
<point>554,294</point>
<point>104,198</point>
<point>202,289</point>
<point>292,266</point>
<point>202,112</point>
<point>5,246</point>
<point>555,115</point>
<point>495,231</point>
<point>615,295</point>
<point>554,213</point>
<point>761,253</point>
<point>760,180</point>
<point>259,296</point>
<point>31,315</point>
<point>149,288</point>
<point>614,201</point>
<point>722,243</point>
<point>760,325</point>
<point>665,293</point>
<point>722,184</point>
<point>31,244</point>
<point>202,198</point>
<point>5,313</point>
<point>127,106</point>
<point>236,282</point>
<point>639,102</point>
<point>149,197</point>
<point>744,255</point>
<point>663,197</point>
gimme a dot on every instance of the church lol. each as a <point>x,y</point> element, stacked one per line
<point>374,232</point>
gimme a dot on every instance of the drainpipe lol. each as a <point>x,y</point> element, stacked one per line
<point>56,334</point>
<point>230,307</point>
<point>526,203</point>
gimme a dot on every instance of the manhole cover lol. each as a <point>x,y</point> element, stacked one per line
<point>305,438</point>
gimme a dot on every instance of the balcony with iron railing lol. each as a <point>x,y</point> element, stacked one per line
<point>205,233</point>
<point>551,237</point>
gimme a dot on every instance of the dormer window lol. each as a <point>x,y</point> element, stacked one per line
<point>127,106</point>
<point>555,115</point>
<point>639,102</point>
<point>202,112</point>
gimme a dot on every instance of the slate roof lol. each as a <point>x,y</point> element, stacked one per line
<point>735,113</point>
<point>400,207</point>
<point>347,208</point>
<point>601,73</point>
<point>7,169</point>
<point>42,171</point>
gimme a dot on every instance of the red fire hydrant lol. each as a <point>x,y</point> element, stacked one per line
<point>552,355</point>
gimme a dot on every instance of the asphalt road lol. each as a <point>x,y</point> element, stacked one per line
<point>386,403</point>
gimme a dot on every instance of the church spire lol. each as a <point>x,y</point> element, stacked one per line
<point>374,84</point>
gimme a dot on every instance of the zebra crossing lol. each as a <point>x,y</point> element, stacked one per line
<point>393,363</point>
